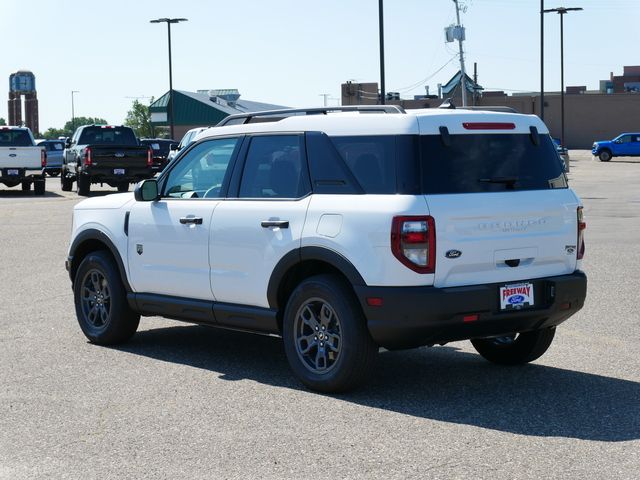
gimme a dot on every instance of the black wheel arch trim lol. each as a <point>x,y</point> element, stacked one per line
<point>303,254</point>
<point>96,235</point>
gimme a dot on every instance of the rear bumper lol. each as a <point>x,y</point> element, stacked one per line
<point>14,176</point>
<point>415,316</point>
<point>108,175</point>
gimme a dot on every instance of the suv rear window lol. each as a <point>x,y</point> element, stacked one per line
<point>489,163</point>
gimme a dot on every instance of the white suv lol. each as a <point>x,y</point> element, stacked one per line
<point>344,232</point>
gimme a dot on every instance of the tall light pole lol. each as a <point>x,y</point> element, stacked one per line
<point>381,28</point>
<point>73,112</point>
<point>562,11</point>
<point>169,21</point>
<point>542,60</point>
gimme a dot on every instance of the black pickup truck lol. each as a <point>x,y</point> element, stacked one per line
<point>105,154</point>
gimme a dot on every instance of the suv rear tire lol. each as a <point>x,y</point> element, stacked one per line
<point>325,335</point>
<point>515,349</point>
<point>101,301</point>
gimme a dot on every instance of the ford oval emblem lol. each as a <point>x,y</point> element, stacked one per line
<point>516,299</point>
<point>453,254</point>
<point>119,155</point>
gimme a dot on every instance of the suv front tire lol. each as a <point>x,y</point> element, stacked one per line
<point>101,302</point>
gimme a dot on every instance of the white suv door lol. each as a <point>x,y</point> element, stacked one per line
<point>253,231</point>
<point>168,247</point>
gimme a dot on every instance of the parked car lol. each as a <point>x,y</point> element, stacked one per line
<point>22,162</point>
<point>184,142</point>
<point>624,145</point>
<point>55,149</point>
<point>563,153</point>
<point>105,154</point>
<point>342,233</point>
<point>161,148</point>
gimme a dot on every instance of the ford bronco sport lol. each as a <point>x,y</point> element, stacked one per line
<point>342,232</point>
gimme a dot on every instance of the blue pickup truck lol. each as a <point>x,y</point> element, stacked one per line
<point>624,145</point>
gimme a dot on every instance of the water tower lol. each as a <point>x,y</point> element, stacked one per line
<point>22,83</point>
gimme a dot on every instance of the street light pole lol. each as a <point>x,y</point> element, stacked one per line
<point>562,11</point>
<point>73,113</point>
<point>169,21</point>
<point>542,60</point>
<point>381,28</point>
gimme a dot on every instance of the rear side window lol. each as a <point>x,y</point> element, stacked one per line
<point>371,159</point>
<point>274,168</point>
<point>489,163</point>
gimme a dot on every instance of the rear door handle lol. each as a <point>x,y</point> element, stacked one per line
<point>191,220</point>
<point>275,223</point>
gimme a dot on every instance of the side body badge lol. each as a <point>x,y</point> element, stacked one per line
<point>139,248</point>
<point>453,254</point>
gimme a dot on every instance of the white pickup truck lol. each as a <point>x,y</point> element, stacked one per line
<point>21,161</point>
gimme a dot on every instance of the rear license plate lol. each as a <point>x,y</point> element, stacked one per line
<point>118,171</point>
<point>516,296</point>
<point>12,171</point>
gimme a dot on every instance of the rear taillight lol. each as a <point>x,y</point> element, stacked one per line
<point>581,227</point>
<point>43,158</point>
<point>413,242</point>
<point>87,156</point>
<point>149,157</point>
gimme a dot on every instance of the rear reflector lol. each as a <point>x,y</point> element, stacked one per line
<point>375,301</point>
<point>489,126</point>
<point>470,318</point>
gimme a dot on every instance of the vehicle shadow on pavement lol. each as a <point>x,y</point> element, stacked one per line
<point>20,194</point>
<point>441,383</point>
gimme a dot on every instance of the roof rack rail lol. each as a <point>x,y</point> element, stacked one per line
<point>493,108</point>
<point>243,118</point>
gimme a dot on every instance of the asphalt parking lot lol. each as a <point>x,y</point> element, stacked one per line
<point>184,401</point>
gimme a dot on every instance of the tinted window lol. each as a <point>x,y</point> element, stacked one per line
<point>15,138</point>
<point>107,136</point>
<point>273,168</point>
<point>489,163</point>
<point>201,172</point>
<point>54,146</point>
<point>371,159</point>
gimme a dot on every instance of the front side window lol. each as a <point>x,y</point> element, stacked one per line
<point>624,139</point>
<point>273,168</point>
<point>201,171</point>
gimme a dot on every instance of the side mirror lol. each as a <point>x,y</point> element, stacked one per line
<point>67,143</point>
<point>146,190</point>
<point>617,141</point>
<point>174,146</point>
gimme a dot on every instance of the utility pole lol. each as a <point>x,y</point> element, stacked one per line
<point>462,70</point>
<point>73,112</point>
<point>325,95</point>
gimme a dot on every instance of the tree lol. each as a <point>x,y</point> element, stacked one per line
<point>2,121</point>
<point>70,126</point>
<point>139,118</point>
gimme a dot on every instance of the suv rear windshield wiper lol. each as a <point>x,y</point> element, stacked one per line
<point>505,180</point>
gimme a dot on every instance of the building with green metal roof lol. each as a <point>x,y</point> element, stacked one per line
<point>202,108</point>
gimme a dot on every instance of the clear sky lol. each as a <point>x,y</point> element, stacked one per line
<point>288,52</point>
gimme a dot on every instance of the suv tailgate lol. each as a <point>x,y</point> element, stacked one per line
<point>504,237</point>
